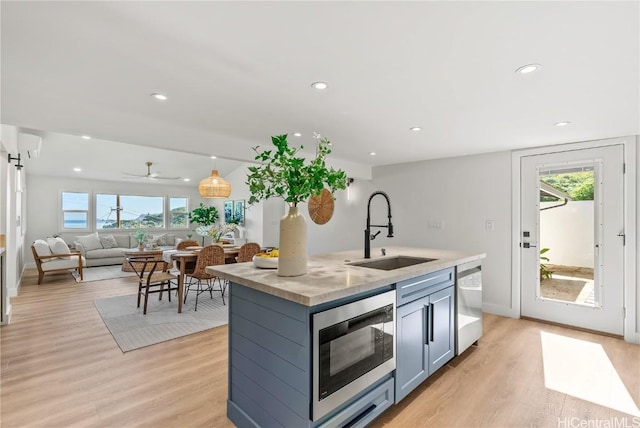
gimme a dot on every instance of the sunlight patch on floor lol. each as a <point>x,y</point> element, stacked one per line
<point>583,370</point>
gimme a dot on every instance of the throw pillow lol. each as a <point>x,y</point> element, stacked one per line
<point>58,246</point>
<point>90,242</point>
<point>160,239</point>
<point>42,249</point>
<point>108,241</point>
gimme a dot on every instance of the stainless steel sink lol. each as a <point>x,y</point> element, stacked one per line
<point>391,263</point>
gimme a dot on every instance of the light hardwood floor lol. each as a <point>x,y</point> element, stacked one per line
<point>60,367</point>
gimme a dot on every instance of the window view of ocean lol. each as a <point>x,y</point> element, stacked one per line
<point>82,224</point>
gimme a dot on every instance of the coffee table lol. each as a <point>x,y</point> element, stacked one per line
<point>133,252</point>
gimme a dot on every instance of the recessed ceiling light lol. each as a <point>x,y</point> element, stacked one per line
<point>86,137</point>
<point>319,85</point>
<point>160,97</point>
<point>297,134</point>
<point>214,157</point>
<point>187,179</point>
<point>372,153</point>
<point>561,123</point>
<point>415,128</point>
<point>77,169</point>
<point>529,68</point>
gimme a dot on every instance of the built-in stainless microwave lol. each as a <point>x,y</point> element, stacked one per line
<point>353,348</point>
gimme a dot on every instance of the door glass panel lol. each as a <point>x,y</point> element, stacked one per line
<point>567,221</point>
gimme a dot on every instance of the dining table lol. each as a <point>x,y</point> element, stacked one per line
<point>184,256</point>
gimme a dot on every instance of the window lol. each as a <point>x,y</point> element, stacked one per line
<point>178,213</point>
<point>75,210</point>
<point>129,212</point>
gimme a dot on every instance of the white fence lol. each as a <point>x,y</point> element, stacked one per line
<point>568,233</point>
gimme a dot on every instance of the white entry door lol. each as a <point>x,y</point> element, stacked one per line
<point>579,279</point>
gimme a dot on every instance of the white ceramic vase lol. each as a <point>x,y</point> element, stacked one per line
<point>292,256</point>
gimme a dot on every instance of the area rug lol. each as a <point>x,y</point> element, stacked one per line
<point>132,330</point>
<point>100,273</point>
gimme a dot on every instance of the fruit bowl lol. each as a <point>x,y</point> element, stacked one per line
<point>265,262</point>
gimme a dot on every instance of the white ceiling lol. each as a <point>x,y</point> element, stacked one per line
<point>108,160</point>
<point>238,72</point>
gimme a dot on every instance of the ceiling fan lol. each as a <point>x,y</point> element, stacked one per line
<point>149,175</point>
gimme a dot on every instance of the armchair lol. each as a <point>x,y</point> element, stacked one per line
<point>57,262</point>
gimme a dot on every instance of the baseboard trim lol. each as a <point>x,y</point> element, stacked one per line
<point>573,327</point>
<point>500,310</point>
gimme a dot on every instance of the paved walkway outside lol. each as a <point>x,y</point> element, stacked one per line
<point>569,284</point>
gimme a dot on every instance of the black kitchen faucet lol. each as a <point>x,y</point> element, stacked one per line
<point>367,232</point>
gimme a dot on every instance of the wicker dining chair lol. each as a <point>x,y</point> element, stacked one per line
<point>208,256</point>
<point>190,266</point>
<point>247,251</point>
<point>187,243</point>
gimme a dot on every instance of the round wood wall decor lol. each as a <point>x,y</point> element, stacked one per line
<point>321,207</point>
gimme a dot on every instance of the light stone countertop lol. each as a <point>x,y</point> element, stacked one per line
<point>329,278</point>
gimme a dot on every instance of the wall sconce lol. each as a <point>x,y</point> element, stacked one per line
<point>18,165</point>
<point>349,182</point>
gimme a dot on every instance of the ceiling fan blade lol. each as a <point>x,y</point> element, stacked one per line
<point>149,175</point>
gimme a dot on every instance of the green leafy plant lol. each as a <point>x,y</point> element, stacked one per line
<point>544,270</point>
<point>204,215</point>
<point>284,174</point>
<point>140,236</point>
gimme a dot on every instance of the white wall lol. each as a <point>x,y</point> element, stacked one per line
<point>568,232</point>
<point>637,240</point>
<point>344,231</point>
<point>11,205</point>
<point>44,202</point>
<point>460,195</point>
<point>253,221</point>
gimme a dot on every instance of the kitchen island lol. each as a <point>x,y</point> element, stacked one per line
<point>272,371</point>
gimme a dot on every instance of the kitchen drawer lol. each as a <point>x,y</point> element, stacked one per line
<point>423,285</point>
<point>365,409</point>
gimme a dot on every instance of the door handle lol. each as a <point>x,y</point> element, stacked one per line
<point>624,238</point>
<point>527,245</point>
<point>426,324</point>
<point>432,329</point>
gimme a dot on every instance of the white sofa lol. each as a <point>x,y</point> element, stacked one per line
<point>100,250</point>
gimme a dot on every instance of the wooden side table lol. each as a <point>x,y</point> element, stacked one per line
<point>154,254</point>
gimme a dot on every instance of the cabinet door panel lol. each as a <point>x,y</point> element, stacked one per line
<point>412,346</point>
<point>441,343</point>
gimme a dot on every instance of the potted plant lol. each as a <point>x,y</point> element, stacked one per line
<point>544,269</point>
<point>205,217</point>
<point>216,232</point>
<point>141,237</point>
<point>283,173</point>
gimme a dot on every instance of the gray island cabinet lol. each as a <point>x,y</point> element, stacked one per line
<point>271,336</point>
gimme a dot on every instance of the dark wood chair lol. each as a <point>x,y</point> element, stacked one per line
<point>208,256</point>
<point>152,278</point>
<point>247,251</point>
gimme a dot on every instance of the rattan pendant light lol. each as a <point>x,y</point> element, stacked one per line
<point>214,186</point>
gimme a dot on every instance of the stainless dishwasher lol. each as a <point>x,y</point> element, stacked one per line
<point>469,304</point>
